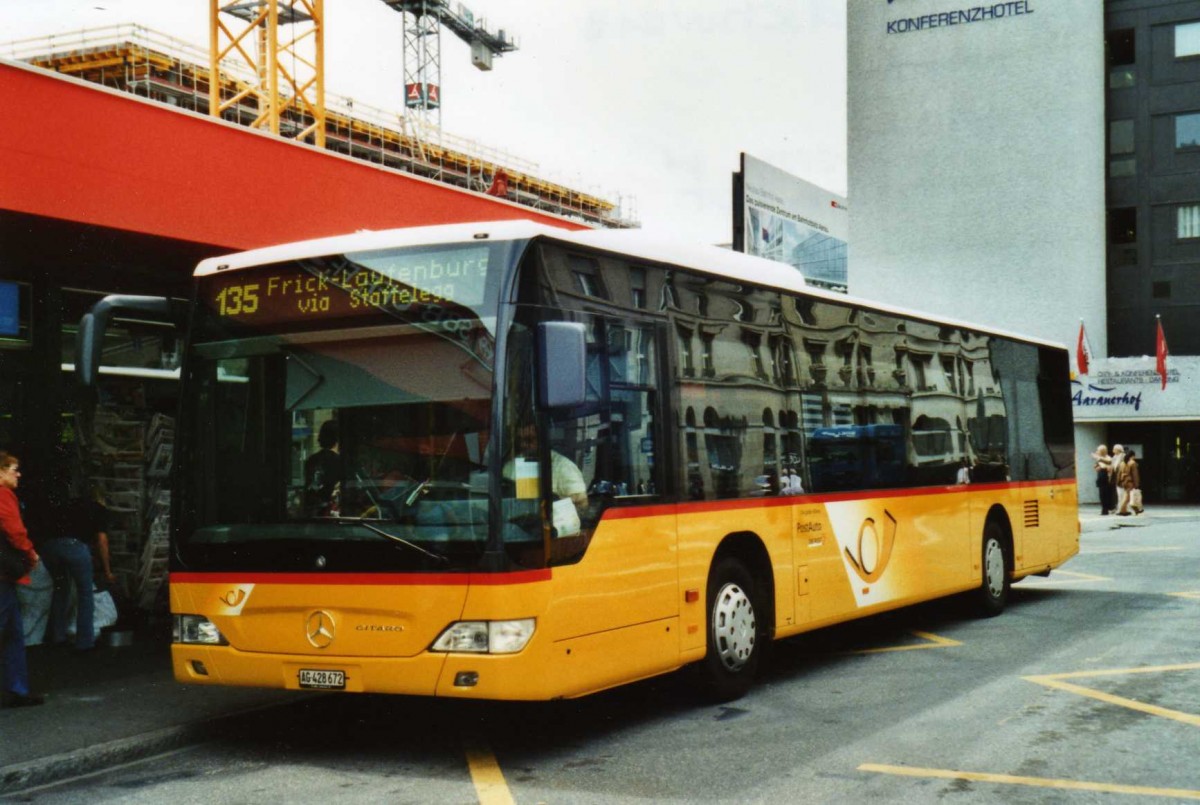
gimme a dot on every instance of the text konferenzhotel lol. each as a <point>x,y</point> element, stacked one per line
<point>964,16</point>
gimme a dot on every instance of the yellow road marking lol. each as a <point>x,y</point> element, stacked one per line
<point>1038,782</point>
<point>1056,681</point>
<point>1129,549</point>
<point>486,774</point>
<point>934,642</point>
<point>1186,595</point>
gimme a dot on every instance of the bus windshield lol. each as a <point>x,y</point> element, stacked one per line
<point>337,413</point>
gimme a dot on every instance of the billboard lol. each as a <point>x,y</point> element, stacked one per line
<point>781,217</point>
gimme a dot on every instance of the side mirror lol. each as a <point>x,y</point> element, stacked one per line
<point>562,364</point>
<point>89,343</point>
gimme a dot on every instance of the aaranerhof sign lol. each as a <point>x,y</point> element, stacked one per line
<point>1132,388</point>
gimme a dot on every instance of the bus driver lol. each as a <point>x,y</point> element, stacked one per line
<point>566,479</point>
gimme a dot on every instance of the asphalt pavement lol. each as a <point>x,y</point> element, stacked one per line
<point>119,704</point>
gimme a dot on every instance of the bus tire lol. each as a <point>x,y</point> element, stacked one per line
<point>994,588</point>
<point>736,637</point>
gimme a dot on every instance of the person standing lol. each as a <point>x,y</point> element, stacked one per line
<point>1120,496</point>
<point>1104,484</point>
<point>792,485</point>
<point>1129,483</point>
<point>14,673</point>
<point>81,533</point>
<point>324,472</point>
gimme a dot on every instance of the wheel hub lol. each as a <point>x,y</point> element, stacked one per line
<point>734,626</point>
<point>993,568</point>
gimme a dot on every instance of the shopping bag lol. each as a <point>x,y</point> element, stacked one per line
<point>106,610</point>
<point>1135,499</point>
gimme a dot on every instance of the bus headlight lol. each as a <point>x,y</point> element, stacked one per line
<point>196,629</point>
<point>486,637</point>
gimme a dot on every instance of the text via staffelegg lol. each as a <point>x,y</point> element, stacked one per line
<point>309,295</point>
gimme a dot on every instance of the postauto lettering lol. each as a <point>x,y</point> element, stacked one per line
<point>964,16</point>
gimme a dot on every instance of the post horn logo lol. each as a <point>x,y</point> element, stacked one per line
<point>234,597</point>
<point>320,629</point>
<point>874,551</point>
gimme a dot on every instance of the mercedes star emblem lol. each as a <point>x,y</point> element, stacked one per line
<point>320,629</point>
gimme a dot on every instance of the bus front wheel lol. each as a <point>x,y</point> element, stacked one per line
<point>735,633</point>
<point>994,589</point>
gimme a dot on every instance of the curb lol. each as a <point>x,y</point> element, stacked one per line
<point>19,777</point>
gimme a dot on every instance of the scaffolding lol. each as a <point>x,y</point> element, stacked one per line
<point>135,59</point>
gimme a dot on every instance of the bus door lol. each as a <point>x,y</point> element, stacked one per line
<point>621,571</point>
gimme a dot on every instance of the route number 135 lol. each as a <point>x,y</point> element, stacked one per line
<point>238,300</point>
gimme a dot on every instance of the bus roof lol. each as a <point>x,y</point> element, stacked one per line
<point>632,243</point>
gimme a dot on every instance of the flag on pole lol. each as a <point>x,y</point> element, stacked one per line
<point>1160,352</point>
<point>1083,351</point>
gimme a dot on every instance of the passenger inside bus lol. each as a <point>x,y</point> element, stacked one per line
<point>324,474</point>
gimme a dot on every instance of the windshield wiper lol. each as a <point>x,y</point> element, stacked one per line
<point>416,493</point>
<point>386,535</point>
<point>423,486</point>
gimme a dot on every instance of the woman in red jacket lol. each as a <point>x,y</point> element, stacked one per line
<point>13,671</point>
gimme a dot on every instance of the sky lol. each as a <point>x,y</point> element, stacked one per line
<point>647,103</point>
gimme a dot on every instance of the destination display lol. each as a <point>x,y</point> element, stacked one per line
<point>404,283</point>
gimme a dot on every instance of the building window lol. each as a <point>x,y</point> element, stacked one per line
<point>1160,290</point>
<point>1187,40</point>
<point>706,355</point>
<point>1189,221</point>
<point>920,364</point>
<point>1120,148</point>
<point>637,287</point>
<point>1122,225</point>
<point>753,342</point>
<point>1121,54</point>
<point>866,369</point>
<point>1187,130</point>
<point>948,371</point>
<point>781,355</point>
<point>587,276</point>
<point>1122,166</point>
<point>1120,137</point>
<point>588,284</point>
<point>686,360</point>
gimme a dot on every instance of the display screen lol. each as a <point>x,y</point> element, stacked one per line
<point>425,285</point>
<point>10,308</point>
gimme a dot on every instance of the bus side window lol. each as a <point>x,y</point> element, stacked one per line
<point>627,440</point>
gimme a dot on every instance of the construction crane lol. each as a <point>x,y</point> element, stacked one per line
<point>278,85</point>
<point>423,23</point>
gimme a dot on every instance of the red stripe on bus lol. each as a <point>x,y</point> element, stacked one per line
<point>628,512</point>
<point>363,579</point>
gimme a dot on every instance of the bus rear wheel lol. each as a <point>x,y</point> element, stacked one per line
<point>735,631</point>
<point>993,590</point>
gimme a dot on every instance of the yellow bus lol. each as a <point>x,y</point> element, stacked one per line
<point>511,461</point>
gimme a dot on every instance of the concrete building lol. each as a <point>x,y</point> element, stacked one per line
<point>1030,165</point>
